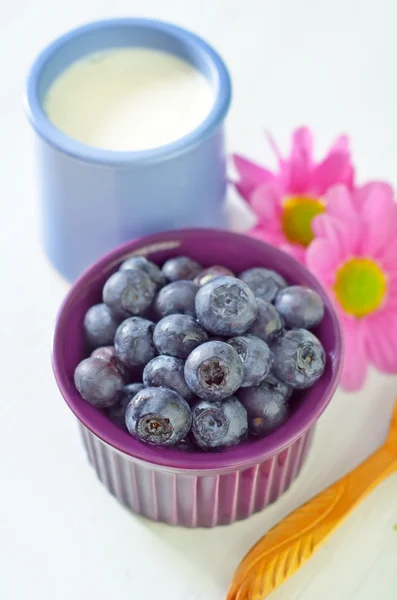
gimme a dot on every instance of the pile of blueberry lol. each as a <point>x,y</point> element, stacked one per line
<point>221,355</point>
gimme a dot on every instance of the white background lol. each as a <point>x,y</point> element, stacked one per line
<point>331,65</point>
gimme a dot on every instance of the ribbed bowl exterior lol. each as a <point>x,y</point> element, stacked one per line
<point>193,498</point>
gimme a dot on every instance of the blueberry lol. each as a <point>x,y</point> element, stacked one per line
<point>186,445</point>
<point>226,306</point>
<point>100,326</point>
<point>116,413</point>
<point>146,265</point>
<point>214,371</point>
<point>211,273</point>
<point>168,372</point>
<point>299,358</point>
<point>256,357</point>
<point>129,292</point>
<point>219,425</point>
<point>266,405</point>
<point>300,307</point>
<point>268,324</point>
<point>134,341</point>
<point>158,416</point>
<point>264,283</point>
<point>98,382</point>
<point>275,386</point>
<point>133,388</point>
<point>176,298</point>
<point>109,353</point>
<point>178,335</point>
<point>181,267</point>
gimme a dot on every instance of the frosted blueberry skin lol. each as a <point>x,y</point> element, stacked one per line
<point>299,358</point>
<point>219,425</point>
<point>116,413</point>
<point>211,273</point>
<point>214,371</point>
<point>273,385</point>
<point>264,283</point>
<point>134,342</point>
<point>178,335</point>
<point>236,386</point>
<point>256,357</point>
<point>158,416</point>
<point>266,405</point>
<point>128,293</point>
<point>268,324</point>
<point>100,326</point>
<point>300,307</point>
<point>226,306</point>
<point>141,262</point>
<point>98,382</point>
<point>109,353</point>
<point>176,298</point>
<point>181,267</point>
<point>167,371</point>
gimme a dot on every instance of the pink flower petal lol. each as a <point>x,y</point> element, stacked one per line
<point>257,232</point>
<point>373,199</point>
<point>251,176</point>
<point>345,235</point>
<point>299,165</point>
<point>341,144</point>
<point>375,203</point>
<point>381,341</point>
<point>391,299</point>
<point>349,177</point>
<point>244,189</point>
<point>340,202</point>
<point>274,147</point>
<point>390,304</point>
<point>270,237</point>
<point>323,259</point>
<point>266,203</point>
<point>388,259</point>
<point>382,233</point>
<point>355,361</point>
<point>335,168</point>
<point>302,143</point>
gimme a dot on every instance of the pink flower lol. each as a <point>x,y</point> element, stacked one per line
<point>286,202</point>
<point>354,255</point>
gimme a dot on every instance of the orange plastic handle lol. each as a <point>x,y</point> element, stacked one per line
<point>286,547</point>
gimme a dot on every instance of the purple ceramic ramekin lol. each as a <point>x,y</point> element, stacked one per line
<point>181,488</point>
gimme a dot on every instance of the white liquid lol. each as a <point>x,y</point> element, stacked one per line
<point>128,99</point>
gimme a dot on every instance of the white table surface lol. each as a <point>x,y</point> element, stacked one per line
<point>330,64</point>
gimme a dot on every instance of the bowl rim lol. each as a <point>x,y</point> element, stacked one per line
<point>240,456</point>
<point>66,144</point>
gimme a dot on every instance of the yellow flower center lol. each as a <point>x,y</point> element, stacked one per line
<point>298,213</point>
<point>360,286</point>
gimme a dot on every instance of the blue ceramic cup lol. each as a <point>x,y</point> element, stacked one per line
<point>94,199</point>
